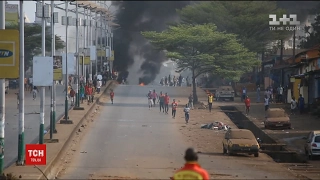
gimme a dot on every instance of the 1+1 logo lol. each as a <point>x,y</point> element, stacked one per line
<point>275,25</point>
<point>36,154</point>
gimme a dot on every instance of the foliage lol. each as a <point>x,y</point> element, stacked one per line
<point>33,42</point>
<point>202,49</point>
<point>247,19</point>
<point>313,35</point>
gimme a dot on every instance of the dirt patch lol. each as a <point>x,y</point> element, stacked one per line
<point>206,140</point>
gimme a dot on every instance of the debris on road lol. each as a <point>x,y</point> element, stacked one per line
<point>215,126</point>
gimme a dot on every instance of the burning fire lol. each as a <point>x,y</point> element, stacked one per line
<point>141,84</point>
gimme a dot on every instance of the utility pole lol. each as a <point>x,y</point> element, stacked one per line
<point>101,41</point>
<point>53,89</point>
<point>43,89</point>
<point>90,44</point>
<point>2,92</point>
<point>66,116</point>
<point>77,57</point>
<point>96,43</point>
<point>21,152</point>
<point>84,45</point>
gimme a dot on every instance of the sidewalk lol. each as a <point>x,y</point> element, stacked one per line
<point>55,150</point>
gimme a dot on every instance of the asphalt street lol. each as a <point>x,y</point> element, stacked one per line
<point>32,120</point>
<point>130,141</point>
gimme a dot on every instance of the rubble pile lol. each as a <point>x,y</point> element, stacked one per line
<point>215,126</point>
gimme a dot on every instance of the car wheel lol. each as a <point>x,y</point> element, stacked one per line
<point>256,154</point>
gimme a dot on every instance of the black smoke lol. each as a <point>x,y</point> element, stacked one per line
<point>134,17</point>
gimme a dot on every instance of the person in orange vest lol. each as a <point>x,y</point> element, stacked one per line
<point>191,169</point>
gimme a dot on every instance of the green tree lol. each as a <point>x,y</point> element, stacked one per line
<point>202,49</point>
<point>32,42</point>
<point>313,35</point>
<point>249,20</point>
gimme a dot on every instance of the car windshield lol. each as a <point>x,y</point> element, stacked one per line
<point>317,139</point>
<point>241,135</point>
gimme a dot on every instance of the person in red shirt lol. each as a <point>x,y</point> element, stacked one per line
<point>192,169</point>
<point>247,104</point>
<point>89,92</point>
<point>111,96</point>
<point>166,103</point>
<point>174,108</point>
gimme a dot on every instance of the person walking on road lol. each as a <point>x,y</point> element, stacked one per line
<point>301,104</point>
<point>154,97</point>
<point>210,101</point>
<point>150,99</point>
<point>174,108</point>
<point>161,102</point>
<point>81,93</point>
<point>111,96</point>
<point>247,104</point>
<point>293,105</point>
<point>244,93</point>
<point>72,94</point>
<point>166,103</point>
<point>266,104</point>
<point>34,92</point>
<point>258,94</point>
<point>186,111</point>
<point>191,169</point>
<point>191,101</point>
<point>99,84</point>
<point>89,91</point>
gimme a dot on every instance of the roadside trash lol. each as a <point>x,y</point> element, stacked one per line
<point>83,152</point>
<point>215,126</point>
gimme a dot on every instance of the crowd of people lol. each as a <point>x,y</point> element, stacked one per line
<point>164,100</point>
<point>174,81</point>
<point>274,95</point>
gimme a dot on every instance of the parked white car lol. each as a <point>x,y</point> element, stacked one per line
<point>312,146</point>
<point>224,92</point>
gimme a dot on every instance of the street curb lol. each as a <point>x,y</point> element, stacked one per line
<point>50,167</point>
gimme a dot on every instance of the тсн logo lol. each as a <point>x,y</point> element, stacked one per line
<point>5,53</point>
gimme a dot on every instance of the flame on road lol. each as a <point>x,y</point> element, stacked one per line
<point>141,84</point>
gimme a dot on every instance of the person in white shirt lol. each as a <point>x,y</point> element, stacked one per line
<point>186,113</point>
<point>280,91</point>
<point>99,83</point>
<point>293,106</point>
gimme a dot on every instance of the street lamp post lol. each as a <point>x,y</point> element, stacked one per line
<point>42,12</point>
<point>21,152</point>
<point>66,106</point>
<point>54,19</point>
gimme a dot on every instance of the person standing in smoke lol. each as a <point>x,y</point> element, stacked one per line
<point>169,80</point>
<point>165,81</point>
<point>180,80</point>
<point>174,81</point>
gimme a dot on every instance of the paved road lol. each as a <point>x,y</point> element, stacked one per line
<point>32,120</point>
<point>130,141</point>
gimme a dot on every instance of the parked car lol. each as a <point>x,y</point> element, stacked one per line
<point>312,146</point>
<point>240,141</point>
<point>277,118</point>
<point>224,92</point>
